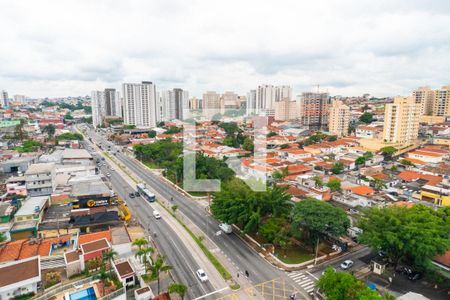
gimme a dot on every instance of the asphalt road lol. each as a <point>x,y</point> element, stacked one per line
<point>167,241</point>
<point>233,247</point>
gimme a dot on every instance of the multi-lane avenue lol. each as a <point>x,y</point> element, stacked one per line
<point>237,251</point>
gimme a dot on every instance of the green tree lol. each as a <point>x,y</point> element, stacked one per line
<point>151,134</point>
<point>379,183</point>
<point>337,168</point>
<point>109,256</point>
<point>318,218</point>
<point>271,134</point>
<point>103,276</point>
<point>344,286</point>
<point>388,152</point>
<point>248,144</point>
<point>411,235</point>
<point>284,146</point>
<point>360,160</point>
<point>173,129</point>
<point>368,155</point>
<point>334,184</point>
<point>140,242</point>
<point>50,130</point>
<point>178,288</point>
<point>366,118</point>
<point>144,255</point>
<point>2,237</point>
<point>318,182</point>
<point>270,229</point>
<point>158,267</point>
<point>19,133</point>
<point>278,175</point>
<point>407,163</point>
<point>332,138</point>
<point>68,116</point>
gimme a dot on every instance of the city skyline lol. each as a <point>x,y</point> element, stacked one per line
<point>347,47</point>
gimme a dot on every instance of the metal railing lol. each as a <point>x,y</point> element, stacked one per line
<point>58,289</point>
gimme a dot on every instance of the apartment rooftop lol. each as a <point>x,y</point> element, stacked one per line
<point>40,168</point>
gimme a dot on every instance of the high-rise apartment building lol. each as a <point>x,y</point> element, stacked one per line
<point>195,103</point>
<point>4,101</point>
<point>339,119</point>
<point>286,110</point>
<point>98,107</point>
<point>314,109</point>
<point>401,121</point>
<point>113,105</point>
<point>251,102</point>
<point>441,103</point>
<point>425,97</point>
<point>140,104</point>
<point>105,103</point>
<point>265,100</point>
<point>19,99</point>
<point>211,103</point>
<point>229,101</point>
<point>282,92</point>
<point>175,103</point>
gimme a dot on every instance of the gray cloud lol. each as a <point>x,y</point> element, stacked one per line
<point>385,47</point>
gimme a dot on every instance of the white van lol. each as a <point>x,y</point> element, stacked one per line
<point>226,228</point>
<point>156,214</point>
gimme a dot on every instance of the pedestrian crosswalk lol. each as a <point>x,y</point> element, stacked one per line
<point>304,280</point>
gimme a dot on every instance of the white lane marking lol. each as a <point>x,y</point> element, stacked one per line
<point>212,293</point>
<point>312,275</point>
<point>305,283</point>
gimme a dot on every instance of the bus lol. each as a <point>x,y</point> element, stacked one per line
<point>144,192</point>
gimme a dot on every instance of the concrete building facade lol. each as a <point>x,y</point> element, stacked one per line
<point>314,109</point>
<point>401,121</point>
<point>140,104</point>
<point>339,119</point>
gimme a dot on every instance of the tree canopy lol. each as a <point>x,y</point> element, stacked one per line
<point>411,235</point>
<point>70,136</point>
<point>337,168</point>
<point>29,146</point>
<point>151,134</point>
<point>319,218</point>
<point>366,118</point>
<point>237,204</point>
<point>344,286</point>
<point>334,184</point>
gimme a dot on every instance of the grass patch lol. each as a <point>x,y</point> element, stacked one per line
<point>293,255</point>
<point>216,263</point>
<point>235,286</point>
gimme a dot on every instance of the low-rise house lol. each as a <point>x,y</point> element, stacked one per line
<point>125,273</point>
<point>20,278</point>
<point>28,217</point>
<point>39,179</point>
<point>16,186</point>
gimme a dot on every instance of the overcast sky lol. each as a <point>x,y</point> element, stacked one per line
<point>348,47</point>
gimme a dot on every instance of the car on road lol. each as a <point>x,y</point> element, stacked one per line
<point>131,195</point>
<point>201,275</point>
<point>156,214</point>
<point>108,174</point>
<point>415,276</point>
<point>226,228</point>
<point>137,194</point>
<point>347,264</point>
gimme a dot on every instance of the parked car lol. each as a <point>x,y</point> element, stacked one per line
<point>131,195</point>
<point>201,275</point>
<point>347,264</point>
<point>156,214</point>
<point>137,194</point>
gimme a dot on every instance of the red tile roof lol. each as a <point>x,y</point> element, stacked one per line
<point>362,190</point>
<point>90,237</point>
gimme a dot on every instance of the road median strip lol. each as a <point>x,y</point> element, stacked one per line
<point>212,258</point>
